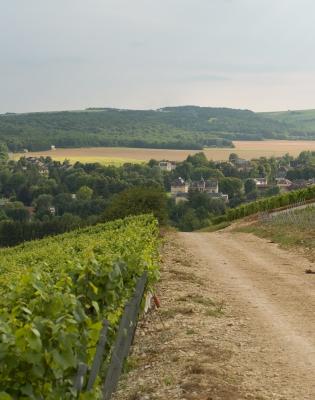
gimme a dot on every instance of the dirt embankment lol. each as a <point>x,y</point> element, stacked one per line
<point>237,322</point>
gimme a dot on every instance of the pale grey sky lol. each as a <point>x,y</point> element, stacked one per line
<point>71,54</point>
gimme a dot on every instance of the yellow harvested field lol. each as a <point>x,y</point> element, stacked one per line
<point>120,155</point>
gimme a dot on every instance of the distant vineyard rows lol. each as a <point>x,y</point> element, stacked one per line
<point>270,203</point>
<point>298,218</point>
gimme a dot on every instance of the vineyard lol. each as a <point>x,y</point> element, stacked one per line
<point>291,228</point>
<point>55,294</point>
<point>270,203</point>
<point>296,218</point>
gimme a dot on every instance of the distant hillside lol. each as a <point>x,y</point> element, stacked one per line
<point>300,124</point>
<point>186,127</point>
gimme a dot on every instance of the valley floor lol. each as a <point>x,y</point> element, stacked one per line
<point>237,322</point>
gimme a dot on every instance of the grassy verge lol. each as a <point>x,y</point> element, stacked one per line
<point>295,230</point>
<point>213,228</point>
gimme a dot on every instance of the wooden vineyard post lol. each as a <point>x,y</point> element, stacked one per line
<point>98,359</point>
<point>124,338</point>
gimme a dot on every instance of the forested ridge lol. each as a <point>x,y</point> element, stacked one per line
<point>187,127</point>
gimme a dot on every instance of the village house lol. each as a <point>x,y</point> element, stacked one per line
<point>242,164</point>
<point>180,189</point>
<point>296,164</point>
<point>219,196</point>
<point>298,184</point>
<point>42,168</point>
<point>208,186</point>
<point>311,182</point>
<point>283,184</point>
<point>167,165</point>
<point>282,172</point>
<point>52,210</point>
<point>302,183</point>
<point>261,183</point>
<point>179,186</point>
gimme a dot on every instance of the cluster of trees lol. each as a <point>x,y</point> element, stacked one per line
<point>43,197</point>
<point>197,212</point>
<point>171,127</point>
<point>34,205</point>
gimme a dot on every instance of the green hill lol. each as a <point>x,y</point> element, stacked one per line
<point>187,127</point>
<point>301,124</point>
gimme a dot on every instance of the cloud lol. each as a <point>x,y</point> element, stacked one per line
<point>70,53</point>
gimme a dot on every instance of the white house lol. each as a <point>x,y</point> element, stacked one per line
<point>167,166</point>
<point>261,182</point>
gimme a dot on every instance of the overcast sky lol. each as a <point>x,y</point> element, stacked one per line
<point>72,54</point>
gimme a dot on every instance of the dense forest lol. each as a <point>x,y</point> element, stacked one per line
<point>188,127</point>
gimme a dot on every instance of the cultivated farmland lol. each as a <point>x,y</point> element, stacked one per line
<point>119,155</point>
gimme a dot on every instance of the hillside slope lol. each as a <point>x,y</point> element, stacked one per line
<point>300,123</point>
<point>187,127</point>
<point>54,296</point>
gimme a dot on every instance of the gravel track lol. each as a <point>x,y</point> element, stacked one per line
<point>268,286</point>
<point>237,322</point>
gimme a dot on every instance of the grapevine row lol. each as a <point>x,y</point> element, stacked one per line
<point>54,295</point>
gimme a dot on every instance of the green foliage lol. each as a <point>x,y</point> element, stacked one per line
<point>272,191</point>
<point>19,231</point>
<point>249,186</point>
<point>231,186</point>
<point>271,203</point>
<point>4,157</point>
<point>16,211</point>
<point>196,212</point>
<point>138,200</point>
<point>84,193</point>
<point>54,295</point>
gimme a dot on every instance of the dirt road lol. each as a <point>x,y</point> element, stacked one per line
<point>239,324</point>
<point>268,286</point>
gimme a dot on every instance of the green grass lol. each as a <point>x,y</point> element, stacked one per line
<point>195,298</point>
<point>216,311</point>
<point>295,231</point>
<point>214,228</point>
